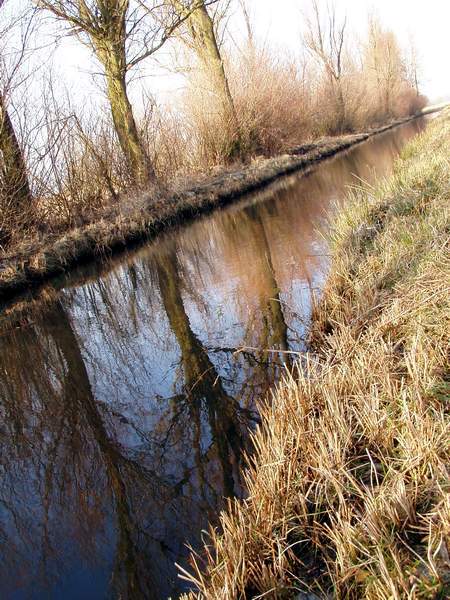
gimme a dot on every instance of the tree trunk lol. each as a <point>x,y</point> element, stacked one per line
<point>339,101</point>
<point>342,116</point>
<point>122,114</point>
<point>202,29</point>
<point>204,42</point>
<point>13,170</point>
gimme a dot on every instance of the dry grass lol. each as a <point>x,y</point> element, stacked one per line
<point>348,485</point>
<point>280,102</point>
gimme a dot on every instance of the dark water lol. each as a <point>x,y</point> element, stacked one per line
<point>125,403</point>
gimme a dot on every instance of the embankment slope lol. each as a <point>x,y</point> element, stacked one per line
<point>348,485</point>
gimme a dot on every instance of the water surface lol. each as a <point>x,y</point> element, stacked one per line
<point>126,401</point>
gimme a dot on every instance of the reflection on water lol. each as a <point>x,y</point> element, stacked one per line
<point>125,406</point>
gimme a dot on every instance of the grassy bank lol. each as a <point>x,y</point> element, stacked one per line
<point>131,219</point>
<point>348,486</point>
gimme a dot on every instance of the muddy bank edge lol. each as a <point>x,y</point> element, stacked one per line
<point>105,237</point>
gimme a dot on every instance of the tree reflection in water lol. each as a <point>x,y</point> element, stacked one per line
<point>126,404</point>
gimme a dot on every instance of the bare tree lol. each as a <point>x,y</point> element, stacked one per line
<point>15,190</point>
<point>203,40</point>
<point>248,23</point>
<point>413,67</point>
<point>13,170</point>
<point>121,33</point>
<point>384,60</point>
<point>325,39</point>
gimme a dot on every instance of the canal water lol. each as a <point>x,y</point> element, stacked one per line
<point>126,399</point>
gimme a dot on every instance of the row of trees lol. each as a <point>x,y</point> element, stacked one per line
<point>252,105</point>
<point>121,34</point>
